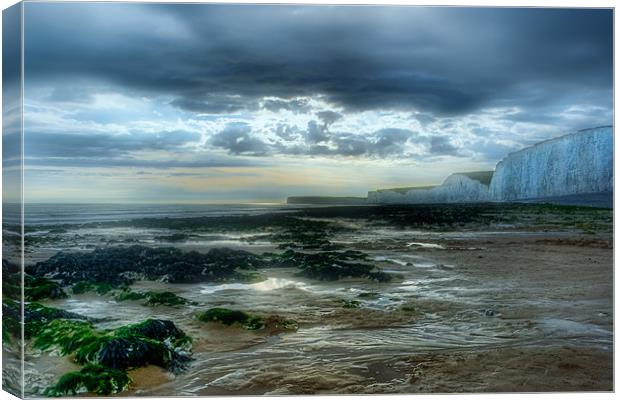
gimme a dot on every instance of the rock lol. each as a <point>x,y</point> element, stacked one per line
<point>273,323</point>
<point>119,266</point>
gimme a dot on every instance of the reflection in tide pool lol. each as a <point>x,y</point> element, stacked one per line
<point>266,285</point>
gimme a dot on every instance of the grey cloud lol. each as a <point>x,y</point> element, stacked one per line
<point>444,61</point>
<point>237,139</point>
<point>295,105</point>
<point>383,143</point>
<point>316,133</point>
<point>441,145</point>
<point>390,141</point>
<point>214,104</point>
<point>329,117</point>
<point>287,132</point>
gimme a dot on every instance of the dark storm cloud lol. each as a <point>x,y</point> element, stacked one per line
<point>226,58</point>
<point>237,139</point>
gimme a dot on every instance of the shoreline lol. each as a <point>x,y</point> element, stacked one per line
<point>453,305</point>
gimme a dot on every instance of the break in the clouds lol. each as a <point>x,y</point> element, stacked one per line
<point>275,87</point>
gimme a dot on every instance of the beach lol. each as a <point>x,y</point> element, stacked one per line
<point>478,298</point>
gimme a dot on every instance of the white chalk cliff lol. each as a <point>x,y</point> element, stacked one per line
<point>578,163</point>
<point>465,187</point>
<point>575,164</point>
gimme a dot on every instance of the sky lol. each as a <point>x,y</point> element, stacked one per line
<point>253,103</point>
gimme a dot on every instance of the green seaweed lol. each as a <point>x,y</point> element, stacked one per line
<point>126,295</point>
<point>36,316</point>
<point>93,378</point>
<point>100,288</point>
<point>164,298</point>
<point>247,321</point>
<point>153,298</point>
<point>224,316</point>
<point>38,288</point>
<point>68,335</point>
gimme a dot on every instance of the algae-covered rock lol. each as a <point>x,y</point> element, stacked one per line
<point>100,288</point>
<point>118,266</point>
<point>277,323</point>
<point>153,298</point>
<point>224,316</point>
<point>126,295</point>
<point>333,265</point>
<point>37,315</point>
<point>157,342</point>
<point>37,288</point>
<point>158,329</point>
<point>229,317</point>
<point>93,378</point>
<point>164,298</point>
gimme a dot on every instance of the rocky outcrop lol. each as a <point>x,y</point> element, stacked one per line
<point>578,163</point>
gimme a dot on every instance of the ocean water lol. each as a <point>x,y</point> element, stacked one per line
<point>52,214</point>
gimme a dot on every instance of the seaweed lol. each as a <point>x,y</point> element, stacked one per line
<point>68,335</point>
<point>38,288</point>
<point>153,298</point>
<point>127,351</point>
<point>129,295</point>
<point>36,316</point>
<point>224,316</point>
<point>164,298</point>
<point>118,266</point>
<point>156,342</point>
<point>247,321</point>
<point>158,329</point>
<point>100,288</point>
<point>332,265</point>
<point>93,378</point>
<point>35,287</point>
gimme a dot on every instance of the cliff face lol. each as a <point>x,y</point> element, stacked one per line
<point>457,188</point>
<point>578,163</point>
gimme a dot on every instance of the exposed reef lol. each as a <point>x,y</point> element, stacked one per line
<point>119,266</point>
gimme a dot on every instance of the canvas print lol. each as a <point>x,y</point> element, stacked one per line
<point>244,199</point>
